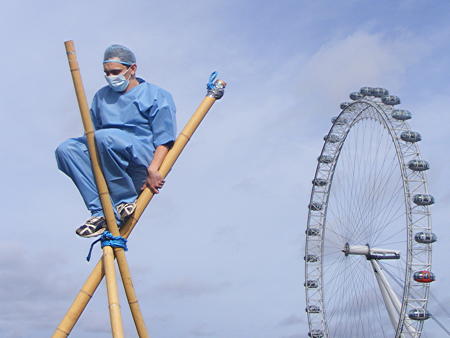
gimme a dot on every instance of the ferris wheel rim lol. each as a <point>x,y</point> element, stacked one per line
<point>382,112</point>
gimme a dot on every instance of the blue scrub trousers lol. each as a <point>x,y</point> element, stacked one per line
<point>124,159</point>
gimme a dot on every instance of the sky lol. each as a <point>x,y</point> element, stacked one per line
<point>219,253</point>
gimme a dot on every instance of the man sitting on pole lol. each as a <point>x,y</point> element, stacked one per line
<point>135,127</point>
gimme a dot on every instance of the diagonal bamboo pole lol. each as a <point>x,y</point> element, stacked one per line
<point>108,253</point>
<point>88,289</point>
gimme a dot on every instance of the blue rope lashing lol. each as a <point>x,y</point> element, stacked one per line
<point>212,78</point>
<point>107,239</point>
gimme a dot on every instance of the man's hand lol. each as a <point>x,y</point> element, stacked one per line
<point>154,181</point>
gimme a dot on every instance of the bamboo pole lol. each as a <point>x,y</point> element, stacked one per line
<point>88,289</point>
<point>170,159</point>
<point>130,293</point>
<point>115,316</point>
<point>108,254</point>
<point>107,207</point>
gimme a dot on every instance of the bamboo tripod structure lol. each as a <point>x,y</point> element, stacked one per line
<point>105,266</point>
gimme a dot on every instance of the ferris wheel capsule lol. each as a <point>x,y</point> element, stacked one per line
<point>425,237</point>
<point>339,121</point>
<point>356,96</point>
<point>311,284</point>
<point>419,314</point>
<point>390,100</point>
<point>332,138</point>
<point>366,91</point>
<point>411,136</point>
<point>312,232</point>
<point>401,114</point>
<point>345,105</point>
<point>319,182</point>
<point>312,309</point>
<point>315,334</point>
<point>418,165</point>
<point>327,159</point>
<point>424,276</point>
<point>380,92</point>
<point>423,199</point>
<point>311,258</point>
<point>315,206</point>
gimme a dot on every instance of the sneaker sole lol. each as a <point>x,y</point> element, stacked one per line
<point>94,234</point>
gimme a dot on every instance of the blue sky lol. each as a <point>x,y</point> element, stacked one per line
<point>219,251</point>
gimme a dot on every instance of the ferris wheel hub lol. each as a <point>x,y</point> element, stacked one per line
<point>370,253</point>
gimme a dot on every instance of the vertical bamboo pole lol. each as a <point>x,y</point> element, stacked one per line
<point>108,255</point>
<point>131,293</point>
<point>112,227</point>
<point>94,279</point>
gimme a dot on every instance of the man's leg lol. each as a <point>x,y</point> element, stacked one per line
<point>72,157</point>
<point>124,161</point>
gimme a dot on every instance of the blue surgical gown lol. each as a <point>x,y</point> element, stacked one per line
<point>128,128</point>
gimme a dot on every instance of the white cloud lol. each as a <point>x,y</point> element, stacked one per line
<point>360,59</point>
<point>292,320</point>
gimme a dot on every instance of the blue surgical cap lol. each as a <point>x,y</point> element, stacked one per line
<point>125,55</point>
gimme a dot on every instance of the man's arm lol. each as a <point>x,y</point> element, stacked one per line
<point>154,179</point>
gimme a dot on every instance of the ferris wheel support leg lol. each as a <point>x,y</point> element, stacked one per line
<point>393,304</point>
<point>392,309</point>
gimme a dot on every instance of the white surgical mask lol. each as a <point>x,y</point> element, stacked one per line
<point>118,83</point>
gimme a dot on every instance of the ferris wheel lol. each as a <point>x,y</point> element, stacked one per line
<point>369,237</point>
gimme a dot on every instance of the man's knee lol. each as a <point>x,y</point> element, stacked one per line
<point>67,148</point>
<point>104,138</point>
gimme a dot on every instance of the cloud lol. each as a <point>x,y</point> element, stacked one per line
<point>292,320</point>
<point>31,292</point>
<point>361,58</point>
<point>189,288</point>
<point>202,331</point>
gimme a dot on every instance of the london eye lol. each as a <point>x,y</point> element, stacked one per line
<point>369,233</point>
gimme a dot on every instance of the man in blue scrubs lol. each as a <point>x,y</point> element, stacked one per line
<point>135,127</point>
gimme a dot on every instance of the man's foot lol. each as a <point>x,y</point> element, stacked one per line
<point>94,226</point>
<point>125,210</point>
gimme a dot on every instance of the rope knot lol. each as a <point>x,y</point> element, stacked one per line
<point>107,239</point>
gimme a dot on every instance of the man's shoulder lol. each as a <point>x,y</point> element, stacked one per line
<point>103,92</point>
<point>154,89</point>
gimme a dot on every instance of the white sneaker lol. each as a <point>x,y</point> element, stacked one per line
<point>94,226</point>
<point>125,210</point>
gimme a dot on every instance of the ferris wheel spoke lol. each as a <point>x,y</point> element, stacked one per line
<point>378,195</point>
<point>388,220</point>
<point>382,210</point>
<point>381,231</point>
<point>363,197</point>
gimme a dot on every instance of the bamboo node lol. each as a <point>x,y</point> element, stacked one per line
<point>64,332</point>
<point>186,136</point>
<point>86,293</point>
